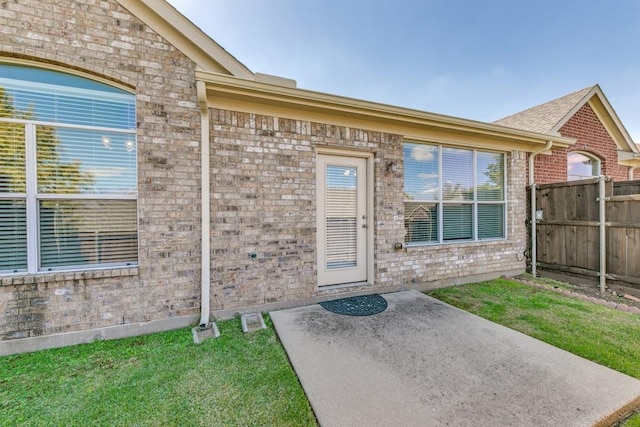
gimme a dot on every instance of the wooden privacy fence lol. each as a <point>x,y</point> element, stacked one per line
<point>568,228</point>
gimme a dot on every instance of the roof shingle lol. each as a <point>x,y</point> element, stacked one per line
<point>544,117</point>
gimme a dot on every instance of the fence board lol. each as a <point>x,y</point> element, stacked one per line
<point>582,249</point>
<point>568,234</point>
<point>633,211</point>
<point>571,201</point>
<point>616,211</point>
<point>592,208</point>
<point>572,246</point>
<point>582,204</point>
<point>558,244</point>
<point>593,247</point>
<point>626,187</point>
<point>617,251</point>
<point>633,254</point>
<point>545,237</point>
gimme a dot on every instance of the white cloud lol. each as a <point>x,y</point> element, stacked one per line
<point>429,191</point>
<point>427,175</point>
<point>423,153</point>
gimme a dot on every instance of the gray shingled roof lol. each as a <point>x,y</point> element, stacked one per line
<point>544,117</point>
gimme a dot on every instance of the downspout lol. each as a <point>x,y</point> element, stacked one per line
<point>205,206</point>
<point>532,184</point>
<point>631,170</point>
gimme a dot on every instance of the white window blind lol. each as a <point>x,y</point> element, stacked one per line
<point>87,232</point>
<point>457,222</point>
<point>490,182</point>
<point>68,164</point>
<point>341,217</point>
<point>79,161</point>
<point>457,174</point>
<point>13,236</point>
<point>453,194</point>
<point>98,106</point>
<point>490,221</point>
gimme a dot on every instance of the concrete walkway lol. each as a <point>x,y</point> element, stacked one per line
<point>425,363</point>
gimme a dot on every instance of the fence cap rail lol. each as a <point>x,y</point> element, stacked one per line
<point>571,183</point>
<point>627,198</point>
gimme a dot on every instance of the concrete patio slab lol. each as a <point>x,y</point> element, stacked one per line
<point>425,363</point>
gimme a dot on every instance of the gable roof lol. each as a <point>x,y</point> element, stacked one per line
<point>165,20</point>
<point>544,118</point>
<point>551,116</point>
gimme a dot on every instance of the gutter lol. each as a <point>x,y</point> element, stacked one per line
<point>302,101</point>
<point>533,185</point>
<point>205,207</point>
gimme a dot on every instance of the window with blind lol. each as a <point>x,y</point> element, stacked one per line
<point>453,194</point>
<point>68,172</point>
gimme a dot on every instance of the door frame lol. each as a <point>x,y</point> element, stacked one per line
<point>370,234</point>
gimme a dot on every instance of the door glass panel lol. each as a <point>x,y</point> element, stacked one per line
<point>341,217</point>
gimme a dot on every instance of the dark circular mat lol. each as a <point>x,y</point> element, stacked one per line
<point>365,305</point>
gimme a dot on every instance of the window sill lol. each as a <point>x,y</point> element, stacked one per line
<point>58,276</point>
<point>467,243</point>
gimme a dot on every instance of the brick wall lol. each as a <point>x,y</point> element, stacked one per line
<point>263,190</point>
<point>591,138</point>
<point>101,38</point>
<point>264,203</point>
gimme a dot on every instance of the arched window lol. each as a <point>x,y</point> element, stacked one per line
<point>582,166</point>
<point>68,172</point>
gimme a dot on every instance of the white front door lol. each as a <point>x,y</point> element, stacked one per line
<point>342,222</point>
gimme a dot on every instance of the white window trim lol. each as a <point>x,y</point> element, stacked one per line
<point>440,202</point>
<point>33,220</point>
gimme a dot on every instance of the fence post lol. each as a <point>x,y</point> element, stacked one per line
<point>603,233</point>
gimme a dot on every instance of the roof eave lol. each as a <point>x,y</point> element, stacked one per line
<point>626,158</point>
<point>227,86</point>
<point>624,139</point>
<point>185,36</point>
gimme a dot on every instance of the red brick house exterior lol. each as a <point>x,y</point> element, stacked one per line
<point>587,117</point>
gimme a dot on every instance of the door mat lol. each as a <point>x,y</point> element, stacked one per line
<point>365,305</point>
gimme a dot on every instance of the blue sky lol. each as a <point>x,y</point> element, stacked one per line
<point>465,58</point>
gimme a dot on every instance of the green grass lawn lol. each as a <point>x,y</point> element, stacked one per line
<point>606,336</point>
<point>633,421</point>
<point>245,379</point>
<point>157,380</point>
